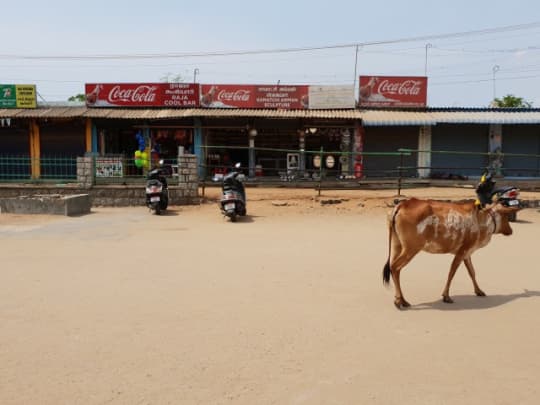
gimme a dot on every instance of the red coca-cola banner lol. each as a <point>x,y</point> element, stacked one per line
<point>392,91</point>
<point>142,94</point>
<point>254,96</point>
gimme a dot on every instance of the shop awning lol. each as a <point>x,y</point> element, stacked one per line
<point>368,117</point>
<point>486,117</point>
<point>50,112</point>
<point>372,118</point>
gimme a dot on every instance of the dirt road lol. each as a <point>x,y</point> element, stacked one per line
<point>284,307</point>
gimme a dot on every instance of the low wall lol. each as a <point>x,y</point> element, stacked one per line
<point>111,196</point>
<point>51,204</point>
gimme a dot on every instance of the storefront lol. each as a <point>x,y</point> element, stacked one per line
<point>521,139</point>
<point>470,141</point>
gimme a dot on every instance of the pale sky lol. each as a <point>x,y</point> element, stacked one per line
<point>460,70</point>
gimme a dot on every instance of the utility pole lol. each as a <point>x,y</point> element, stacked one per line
<point>195,73</point>
<point>495,70</point>
<point>355,67</point>
<point>425,66</point>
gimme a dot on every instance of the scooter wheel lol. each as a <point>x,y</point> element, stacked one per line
<point>158,210</point>
<point>233,217</point>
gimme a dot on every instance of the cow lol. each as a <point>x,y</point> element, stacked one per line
<point>459,228</point>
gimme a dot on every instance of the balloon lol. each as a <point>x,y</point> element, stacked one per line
<point>145,163</point>
<point>144,155</point>
<point>138,162</point>
<point>138,154</point>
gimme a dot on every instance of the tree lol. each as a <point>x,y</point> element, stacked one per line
<point>511,101</point>
<point>78,97</point>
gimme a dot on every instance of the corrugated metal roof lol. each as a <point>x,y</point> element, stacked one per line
<point>486,117</point>
<point>48,112</point>
<point>395,118</point>
<point>368,117</point>
<point>267,113</point>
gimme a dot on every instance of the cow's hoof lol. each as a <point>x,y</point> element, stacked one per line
<point>480,293</point>
<point>447,299</point>
<point>401,303</point>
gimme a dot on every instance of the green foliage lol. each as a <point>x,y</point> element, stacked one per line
<point>78,97</point>
<point>511,101</point>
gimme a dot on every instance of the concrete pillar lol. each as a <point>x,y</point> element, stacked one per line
<point>302,147</point>
<point>198,150</point>
<point>251,163</point>
<point>424,158</point>
<point>495,149</point>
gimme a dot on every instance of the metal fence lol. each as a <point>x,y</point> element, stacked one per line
<point>270,165</point>
<point>44,169</point>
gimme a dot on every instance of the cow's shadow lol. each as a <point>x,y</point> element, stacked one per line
<point>472,302</point>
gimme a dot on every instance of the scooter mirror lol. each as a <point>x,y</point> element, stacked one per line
<point>161,161</point>
<point>237,165</point>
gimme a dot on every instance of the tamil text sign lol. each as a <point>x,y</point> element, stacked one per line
<point>393,91</point>
<point>321,97</point>
<point>254,96</point>
<point>17,96</point>
<point>142,94</point>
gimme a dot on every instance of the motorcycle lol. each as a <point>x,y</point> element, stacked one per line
<point>157,191</point>
<point>508,196</point>
<point>233,198</point>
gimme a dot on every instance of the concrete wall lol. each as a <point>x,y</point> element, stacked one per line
<point>183,190</point>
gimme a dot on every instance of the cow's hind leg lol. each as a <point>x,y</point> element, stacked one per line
<point>396,265</point>
<point>470,269</point>
<point>453,267</point>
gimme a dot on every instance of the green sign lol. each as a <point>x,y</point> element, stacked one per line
<point>8,96</point>
<point>17,96</point>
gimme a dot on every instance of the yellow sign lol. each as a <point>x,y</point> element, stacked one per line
<point>26,95</point>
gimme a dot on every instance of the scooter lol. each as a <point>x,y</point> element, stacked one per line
<point>157,190</point>
<point>508,196</point>
<point>233,198</point>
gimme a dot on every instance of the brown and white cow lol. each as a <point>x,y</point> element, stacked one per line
<point>433,226</point>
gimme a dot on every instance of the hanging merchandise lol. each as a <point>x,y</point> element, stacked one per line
<point>140,156</point>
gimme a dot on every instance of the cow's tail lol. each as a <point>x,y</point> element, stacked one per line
<point>391,229</point>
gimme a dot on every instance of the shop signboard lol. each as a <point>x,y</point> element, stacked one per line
<point>109,167</point>
<point>393,91</point>
<point>254,96</point>
<point>170,95</point>
<point>17,96</point>
<point>325,97</point>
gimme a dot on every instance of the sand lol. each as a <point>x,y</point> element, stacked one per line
<point>285,306</point>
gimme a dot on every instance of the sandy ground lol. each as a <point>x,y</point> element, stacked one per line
<point>286,306</point>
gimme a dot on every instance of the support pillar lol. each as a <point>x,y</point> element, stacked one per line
<point>424,158</point>
<point>198,150</point>
<point>35,149</point>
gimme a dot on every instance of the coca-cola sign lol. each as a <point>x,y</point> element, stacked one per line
<point>392,91</point>
<point>142,95</point>
<point>254,96</point>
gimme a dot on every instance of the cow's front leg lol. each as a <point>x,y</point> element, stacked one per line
<point>453,267</point>
<point>470,269</point>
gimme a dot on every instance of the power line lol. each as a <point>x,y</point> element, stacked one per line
<point>508,28</point>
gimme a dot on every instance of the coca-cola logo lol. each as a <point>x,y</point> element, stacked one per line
<point>236,95</point>
<point>140,94</point>
<point>406,87</point>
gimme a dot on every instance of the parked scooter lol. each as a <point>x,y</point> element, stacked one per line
<point>157,191</point>
<point>508,196</point>
<point>233,199</point>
